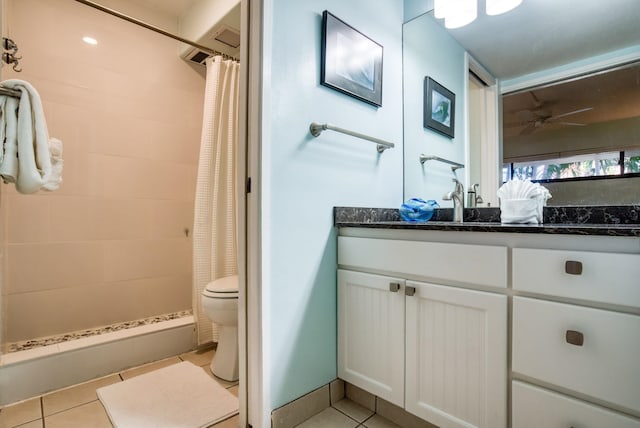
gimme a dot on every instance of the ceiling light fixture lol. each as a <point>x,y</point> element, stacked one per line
<point>458,13</point>
<point>89,40</point>
<point>496,7</point>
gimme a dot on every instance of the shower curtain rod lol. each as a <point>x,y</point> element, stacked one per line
<point>154,28</point>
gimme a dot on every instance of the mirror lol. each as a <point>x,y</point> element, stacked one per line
<point>547,49</point>
<point>568,132</point>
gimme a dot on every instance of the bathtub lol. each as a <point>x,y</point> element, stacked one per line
<point>32,372</point>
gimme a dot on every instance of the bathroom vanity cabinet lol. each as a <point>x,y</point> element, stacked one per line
<point>420,331</point>
<point>481,329</point>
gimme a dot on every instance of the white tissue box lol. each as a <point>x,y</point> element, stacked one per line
<point>527,211</point>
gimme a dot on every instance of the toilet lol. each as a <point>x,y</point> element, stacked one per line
<point>220,304</point>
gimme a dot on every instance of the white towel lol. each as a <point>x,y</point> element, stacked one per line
<point>9,126</point>
<point>32,166</point>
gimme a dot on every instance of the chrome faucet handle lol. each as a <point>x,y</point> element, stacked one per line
<point>459,187</point>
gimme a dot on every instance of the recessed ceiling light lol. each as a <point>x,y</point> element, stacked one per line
<point>89,40</point>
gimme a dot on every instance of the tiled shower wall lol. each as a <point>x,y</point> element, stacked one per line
<point>113,243</point>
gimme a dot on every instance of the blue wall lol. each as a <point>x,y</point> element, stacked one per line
<point>429,50</point>
<point>305,177</point>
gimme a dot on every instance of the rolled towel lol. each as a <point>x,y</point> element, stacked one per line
<point>9,125</point>
<point>32,167</point>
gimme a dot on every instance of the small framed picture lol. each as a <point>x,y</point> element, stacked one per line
<point>351,62</point>
<point>439,107</point>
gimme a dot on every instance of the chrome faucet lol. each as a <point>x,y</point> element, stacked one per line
<point>457,195</point>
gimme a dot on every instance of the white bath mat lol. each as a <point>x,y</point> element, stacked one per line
<point>178,396</point>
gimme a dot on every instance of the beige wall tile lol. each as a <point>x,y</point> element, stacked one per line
<point>115,228</point>
<point>70,219</point>
<point>56,265</point>
<point>90,306</point>
<point>169,219</point>
<point>121,218</point>
<point>28,217</point>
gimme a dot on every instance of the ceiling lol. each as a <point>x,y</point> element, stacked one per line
<point>541,34</point>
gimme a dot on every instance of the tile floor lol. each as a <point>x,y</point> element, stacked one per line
<point>78,406</point>
<point>347,414</point>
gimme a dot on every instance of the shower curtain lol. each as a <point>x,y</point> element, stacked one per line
<point>214,229</point>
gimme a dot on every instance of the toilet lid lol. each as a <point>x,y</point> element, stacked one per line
<point>223,288</point>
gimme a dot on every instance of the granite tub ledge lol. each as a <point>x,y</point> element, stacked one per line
<point>605,220</point>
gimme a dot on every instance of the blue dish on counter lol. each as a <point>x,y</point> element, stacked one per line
<point>418,210</point>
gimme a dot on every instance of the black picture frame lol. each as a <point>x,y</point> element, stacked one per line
<point>439,108</point>
<point>351,61</point>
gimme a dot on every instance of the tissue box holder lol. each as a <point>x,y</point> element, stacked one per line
<point>521,211</point>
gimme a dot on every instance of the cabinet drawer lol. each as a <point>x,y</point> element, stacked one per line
<point>604,277</point>
<point>535,407</point>
<point>605,366</point>
<point>448,263</point>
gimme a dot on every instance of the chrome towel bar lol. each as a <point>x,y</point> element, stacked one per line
<point>456,165</point>
<point>316,129</point>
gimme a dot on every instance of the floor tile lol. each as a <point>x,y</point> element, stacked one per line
<point>234,390</point>
<point>400,416</point>
<point>200,357</point>
<point>88,415</point>
<point>137,371</point>
<point>300,410</point>
<point>224,383</point>
<point>377,421</point>
<point>20,413</point>
<point>74,396</point>
<point>33,424</point>
<point>329,418</point>
<point>233,422</point>
<point>360,396</point>
<point>353,410</point>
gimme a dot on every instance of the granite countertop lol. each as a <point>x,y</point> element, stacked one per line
<point>623,220</point>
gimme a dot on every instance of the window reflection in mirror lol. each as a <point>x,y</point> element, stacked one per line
<point>585,128</point>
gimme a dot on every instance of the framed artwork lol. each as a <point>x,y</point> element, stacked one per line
<point>351,62</point>
<point>439,107</point>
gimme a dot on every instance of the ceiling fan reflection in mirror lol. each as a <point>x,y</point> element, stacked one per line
<point>541,115</point>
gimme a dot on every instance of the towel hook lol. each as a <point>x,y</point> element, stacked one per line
<point>9,56</point>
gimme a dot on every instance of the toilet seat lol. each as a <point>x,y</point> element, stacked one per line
<point>223,288</point>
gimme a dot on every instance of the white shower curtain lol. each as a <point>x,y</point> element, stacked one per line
<point>214,229</point>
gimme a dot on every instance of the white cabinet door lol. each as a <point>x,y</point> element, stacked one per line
<point>456,356</point>
<point>371,333</point>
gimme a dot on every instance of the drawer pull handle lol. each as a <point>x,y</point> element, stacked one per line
<point>394,287</point>
<point>574,337</point>
<point>410,291</point>
<point>573,267</point>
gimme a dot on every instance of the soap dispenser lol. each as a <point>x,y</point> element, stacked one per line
<point>472,196</point>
